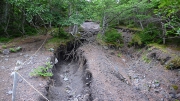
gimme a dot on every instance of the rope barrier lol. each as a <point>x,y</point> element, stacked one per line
<point>16,76</point>
<point>31,85</point>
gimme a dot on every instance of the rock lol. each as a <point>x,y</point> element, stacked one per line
<point>2,67</point>
<point>178,95</point>
<point>172,95</point>
<point>137,88</point>
<point>156,91</point>
<point>56,60</point>
<point>51,49</point>
<point>20,80</point>
<point>17,68</point>
<point>65,78</point>
<point>9,92</point>
<point>105,47</point>
<point>75,99</point>
<point>26,56</point>
<point>123,60</point>
<point>6,59</point>
<point>19,63</point>
<point>6,51</point>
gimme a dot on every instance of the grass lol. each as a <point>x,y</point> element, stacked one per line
<point>158,46</point>
<point>42,70</point>
<point>119,55</point>
<point>55,42</point>
<point>146,59</point>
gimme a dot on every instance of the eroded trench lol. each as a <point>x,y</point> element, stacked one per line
<point>71,79</point>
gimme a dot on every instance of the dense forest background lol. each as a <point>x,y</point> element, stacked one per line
<point>155,20</point>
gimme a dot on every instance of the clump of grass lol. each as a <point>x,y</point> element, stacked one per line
<point>173,64</point>
<point>14,50</point>
<point>175,87</point>
<point>119,55</point>
<point>42,70</point>
<point>146,59</point>
<point>4,46</point>
<point>158,46</point>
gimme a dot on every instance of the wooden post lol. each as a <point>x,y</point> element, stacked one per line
<point>14,86</point>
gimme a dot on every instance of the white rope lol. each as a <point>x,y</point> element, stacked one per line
<point>31,86</point>
<point>24,78</point>
<point>37,50</point>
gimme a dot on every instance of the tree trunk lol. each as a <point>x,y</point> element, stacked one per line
<point>23,19</point>
<point>164,33</point>
<point>104,24</point>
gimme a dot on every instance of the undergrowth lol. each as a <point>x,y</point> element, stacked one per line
<point>111,38</point>
<point>42,70</point>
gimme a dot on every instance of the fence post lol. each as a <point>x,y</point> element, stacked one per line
<point>14,86</point>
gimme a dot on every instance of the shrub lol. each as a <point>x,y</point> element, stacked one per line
<point>112,36</point>
<point>61,34</point>
<point>42,71</point>
<point>148,35</point>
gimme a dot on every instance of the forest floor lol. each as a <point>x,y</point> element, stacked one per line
<point>100,74</point>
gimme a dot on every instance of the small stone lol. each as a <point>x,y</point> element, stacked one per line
<point>2,67</point>
<point>178,95</point>
<point>51,49</point>
<point>19,63</point>
<point>9,92</point>
<point>172,95</point>
<point>17,68</point>
<point>26,55</point>
<point>105,47</point>
<point>156,91</point>
<point>123,60</point>
<point>137,88</point>
<point>76,99</point>
<point>6,51</point>
<point>6,59</point>
<point>56,60</point>
<point>65,78</point>
<point>20,80</point>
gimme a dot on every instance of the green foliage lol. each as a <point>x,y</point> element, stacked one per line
<point>112,36</point>
<point>4,39</point>
<point>175,87</point>
<point>42,71</point>
<point>30,30</point>
<point>15,49</point>
<point>4,46</point>
<point>63,34</point>
<point>147,36</point>
<point>136,39</point>
<point>173,64</point>
<point>12,50</point>
<point>119,55</point>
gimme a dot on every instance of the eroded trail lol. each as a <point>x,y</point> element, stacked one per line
<point>94,73</point>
